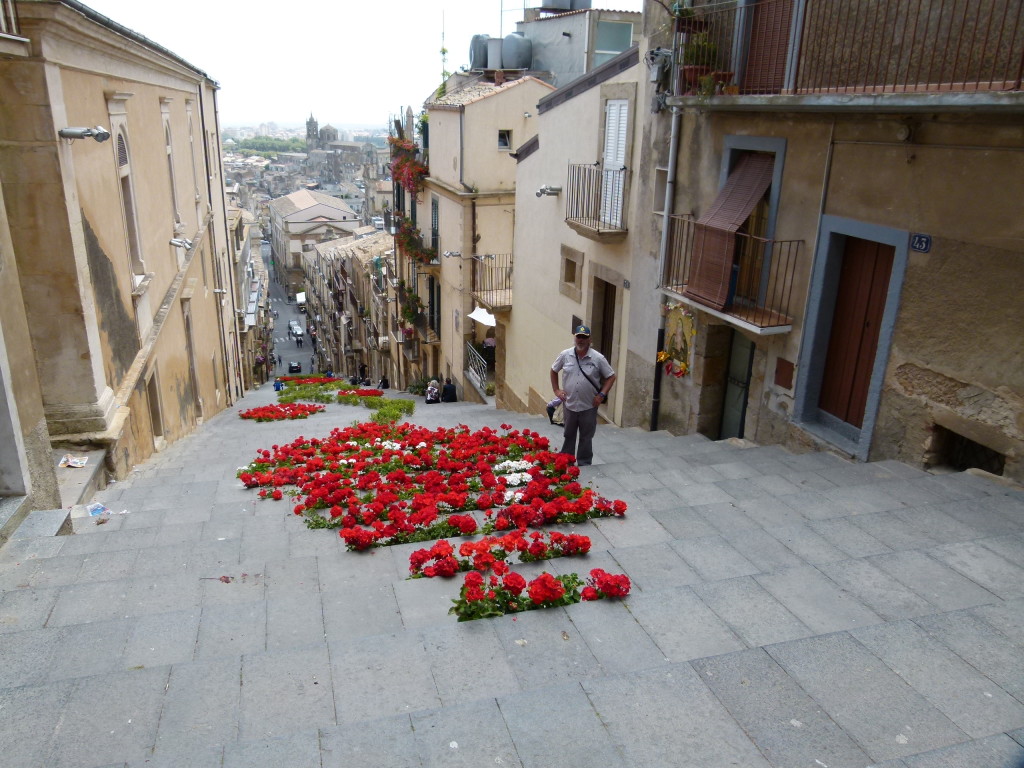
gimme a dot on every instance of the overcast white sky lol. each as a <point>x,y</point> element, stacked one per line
<point>346,61</point>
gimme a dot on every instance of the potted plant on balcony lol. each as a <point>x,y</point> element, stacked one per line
<point>700,58</point>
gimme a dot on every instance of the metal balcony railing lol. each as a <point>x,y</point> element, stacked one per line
<point>476,367</point>
<point>757,281</point>
<point>853,46</point>
<point>594,198</point>
<point>492,279</point>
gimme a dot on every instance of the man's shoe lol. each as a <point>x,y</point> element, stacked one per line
<point>582,463</point>
<point>551,414</point>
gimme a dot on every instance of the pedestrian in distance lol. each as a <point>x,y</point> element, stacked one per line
<point>587,377</point>
<point>433,394</point>
<point>384,383</point>
<point>448,393</point>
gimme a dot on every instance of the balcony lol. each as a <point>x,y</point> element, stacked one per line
<point>852,47</point>
<point>746,281</point>
<point>492,280</point>
<point>594,202</point>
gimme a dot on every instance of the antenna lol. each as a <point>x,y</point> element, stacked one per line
<point>444,54</point>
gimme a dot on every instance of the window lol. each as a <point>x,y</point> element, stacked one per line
<point>504,139</point>
<point>435,225</point>
<point>715,248</point>
<point>131,223</point>
<point>616,125</point>
<point>571,280</point>
<point>613,37</point>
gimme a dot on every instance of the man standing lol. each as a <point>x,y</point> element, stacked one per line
<point>587,378</point>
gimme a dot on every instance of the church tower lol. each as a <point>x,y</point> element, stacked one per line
<point>312,134</point>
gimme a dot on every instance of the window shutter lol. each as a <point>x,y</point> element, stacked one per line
<point>769,41</point>
<point>616,116</point>
<point>714,239</point>
<point>122,152</point>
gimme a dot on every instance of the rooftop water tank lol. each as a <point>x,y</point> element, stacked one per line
<point>478,52</point>
<point>557,5</point>
<point>494,52</point>
<point>516,51</point>
<point>581,5</point>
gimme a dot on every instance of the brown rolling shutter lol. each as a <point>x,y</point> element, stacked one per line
<point>769,41</point>
<point>714,236</point>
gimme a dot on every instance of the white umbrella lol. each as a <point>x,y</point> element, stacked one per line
<point>482,316</point>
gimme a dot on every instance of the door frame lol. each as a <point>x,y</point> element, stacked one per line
<point>814,343</point>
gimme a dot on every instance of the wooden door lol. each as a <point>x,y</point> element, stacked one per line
<point>737,384</point>
<point>856,321</point>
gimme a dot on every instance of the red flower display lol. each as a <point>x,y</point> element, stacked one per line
<point>281,412</point>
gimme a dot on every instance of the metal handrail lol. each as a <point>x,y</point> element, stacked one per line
<point>476,366</point>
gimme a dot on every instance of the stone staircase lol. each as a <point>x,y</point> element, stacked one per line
<point>786,609</point>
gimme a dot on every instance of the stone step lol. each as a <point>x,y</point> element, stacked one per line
<point>42,523</point>
<point>79,484</point>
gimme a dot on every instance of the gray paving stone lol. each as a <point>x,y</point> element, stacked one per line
<point>990,652</point>
<point>294,620</point>
<point>816,600</point>
<point>725,517</point>
<point>855,541</point>
<point>364,686</point>
<point>876,707</point>
<point>27,657</point>
<point>972,701</point>
<point>354,612</point>
<point>787,725</point>
<point>200,712</point>
<point>557,727</point>
<point>808,544</point>
<point>877,590</point>
<point>813,504</point>
<point>656,566</point>
<point>161,638</point>
<point>762,549</point>
<point>48,572</point>
<point>232,630</point>
<point>682,625</point>
<point>893,531</point>
<point>770,512</point>
<point>83,603</point>
<point>468,735</point>
<point>979,515</point>
<point>751,612</point>
<point>424,602</point>
<point>999,751</point>
<point>982,566</point>
<point>286,691</point>
<point>242,583</point>
<point>30,715</point>
<point>545,648</point>
<point>668,718</point>
<point>124,707</point>
<point>83,650</point>
<point>296,750</point>
<point>27,608</point>
<point>468,661</point>
<point>703,493</point>
<point>938,584</point>
<point>613,635</point>
<point>1007,617</point>
<point>713,558</point>
<point>683,523</point>
<point>385,742</point>
<point>1010,546</point>
<point>937,525</point>
<point>635,529</point>
<point>31,549</point>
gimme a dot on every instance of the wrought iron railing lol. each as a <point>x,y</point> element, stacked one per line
<point>759,288</point>
<point>476,366</point>
<point>594,197</point>
<point>492,279</point>
<point>853,46</point>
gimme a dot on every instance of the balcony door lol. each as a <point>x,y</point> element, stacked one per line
<point>856,322</point>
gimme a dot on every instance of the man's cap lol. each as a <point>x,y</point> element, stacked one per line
<point>581,330</point>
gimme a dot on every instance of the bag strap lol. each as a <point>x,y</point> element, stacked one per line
<point>585,374</point>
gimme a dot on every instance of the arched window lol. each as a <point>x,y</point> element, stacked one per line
<point>128,208</point>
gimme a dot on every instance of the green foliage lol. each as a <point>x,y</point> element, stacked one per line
<point>419,387</point>
<point>266,144</point>
<point>392,410</point>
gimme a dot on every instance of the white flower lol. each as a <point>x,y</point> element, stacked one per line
<point>513,496</point>
<point>512,466</point>
<point>517,478</point>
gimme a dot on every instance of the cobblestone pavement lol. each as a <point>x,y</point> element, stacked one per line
<point>788,610</point>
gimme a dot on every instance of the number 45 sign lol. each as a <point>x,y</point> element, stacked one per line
<point>921,243</point>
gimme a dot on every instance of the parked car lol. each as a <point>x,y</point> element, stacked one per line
<point>294,367</point>
<point>295,328</point>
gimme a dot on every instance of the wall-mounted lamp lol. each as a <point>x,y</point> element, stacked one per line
<point>99,133</point>
<point>219,290</point>
<point>450,254</point>
<point>527,115</point>
<point>181,242</point>
<point>547,189</point>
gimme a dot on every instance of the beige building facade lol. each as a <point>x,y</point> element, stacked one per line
<point>117,232</point>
